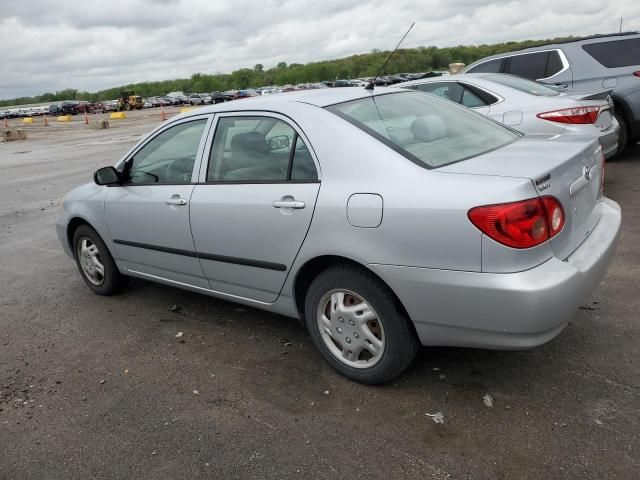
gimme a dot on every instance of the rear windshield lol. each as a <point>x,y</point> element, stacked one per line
<point>618,53</point>
<point>524,85</point>
<point>427,130</point>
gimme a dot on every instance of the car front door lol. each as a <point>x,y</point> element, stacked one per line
<point>252,209</point>
<point>148,214</point>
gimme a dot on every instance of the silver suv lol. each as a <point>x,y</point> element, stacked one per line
<point>587,64</point>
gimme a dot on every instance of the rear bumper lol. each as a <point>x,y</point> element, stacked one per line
<point>508,310</point>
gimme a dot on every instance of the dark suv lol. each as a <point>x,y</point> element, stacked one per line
<point>584,65</point>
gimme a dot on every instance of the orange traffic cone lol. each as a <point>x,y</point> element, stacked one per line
<point>46,122</point>
<point>86,119</point>
<point>163,115</point>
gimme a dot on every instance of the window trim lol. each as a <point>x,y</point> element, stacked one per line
<point>563,59</point>
<point>158,131</point>
<point>206,154</point>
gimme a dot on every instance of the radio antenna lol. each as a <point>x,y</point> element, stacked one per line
<point>372,83</point>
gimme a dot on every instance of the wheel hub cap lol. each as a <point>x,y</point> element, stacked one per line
<point>359,344</point>
<point>90,261</point>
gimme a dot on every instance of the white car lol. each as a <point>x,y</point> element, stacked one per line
<point>528,106</point>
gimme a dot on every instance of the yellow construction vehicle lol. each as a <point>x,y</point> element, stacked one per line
<point>129,101</point>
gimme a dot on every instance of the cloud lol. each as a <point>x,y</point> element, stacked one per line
<point>93,44</point>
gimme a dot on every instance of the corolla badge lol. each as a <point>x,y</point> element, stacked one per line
<point>586,171</point>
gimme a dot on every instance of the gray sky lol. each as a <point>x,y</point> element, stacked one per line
<point>96,44</point>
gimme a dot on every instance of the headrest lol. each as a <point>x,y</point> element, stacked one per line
<point>249,142</point>
<point>428,128</point>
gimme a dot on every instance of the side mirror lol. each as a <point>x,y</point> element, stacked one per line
<point>106,176</point>
<point>278,142</point>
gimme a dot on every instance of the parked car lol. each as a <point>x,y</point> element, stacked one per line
<point>171,100</point>
<point>196,99</point>
<point>529,106</point>
<point>217,97</point>
<point>240,94</point>
<point>434,225</point>
<point>109,105</point>
<point>602,61</point>
<point>154,101</point>
<point>66,107</point>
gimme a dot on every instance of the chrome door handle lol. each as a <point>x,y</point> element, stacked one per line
<point>175,201</point>
<point>289,204</point>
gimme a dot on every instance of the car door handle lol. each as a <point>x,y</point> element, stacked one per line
<point>175,201</point>
<point>289,204</point>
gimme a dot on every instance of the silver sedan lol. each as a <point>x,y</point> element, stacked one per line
<point>382,220</point>
<point>528,106</point>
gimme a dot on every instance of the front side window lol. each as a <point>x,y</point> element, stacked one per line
<point>425,129</point>
<point>530,65</point>
<point>492,66</point>
<point>258,149</point>
<point>524,85</point>
<point>617,53</point>
<point>169,157</point>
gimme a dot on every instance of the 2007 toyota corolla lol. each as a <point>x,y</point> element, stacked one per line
<point>383,220</point>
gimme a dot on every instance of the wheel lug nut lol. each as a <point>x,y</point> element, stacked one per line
<point>339,330</point>
<point>352,322</point>
<point>341,320</point>
<point>348,340</point>
<point>355,335</point>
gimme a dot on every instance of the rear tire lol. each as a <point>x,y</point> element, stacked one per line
<point>96,265</point>
<point>623,138</point>
<point>358,326</point>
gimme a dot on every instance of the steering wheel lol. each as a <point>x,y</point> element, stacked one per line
<point>179,170</point>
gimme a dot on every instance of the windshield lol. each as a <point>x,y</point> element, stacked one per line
<point>522,84</point>
<point>427,130</point>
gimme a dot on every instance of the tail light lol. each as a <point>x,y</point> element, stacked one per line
<point>522,224</point>
<point>637,73</point>
<point>578,115</point>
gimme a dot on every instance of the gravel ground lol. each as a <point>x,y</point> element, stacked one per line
<point>94,387</point>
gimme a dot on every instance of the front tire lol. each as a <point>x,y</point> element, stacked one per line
<point>95,263</point>
<point>358,326</point>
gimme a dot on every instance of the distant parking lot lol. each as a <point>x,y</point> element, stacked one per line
<point>94,387</point>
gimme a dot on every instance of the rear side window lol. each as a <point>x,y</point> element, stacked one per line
<point>427,130</point>
<point>471,100</point>
<point>492,66</point>
<point>530,65</point>
<point>258,149</point>
<point>554,64</point>
<point>449,90</point>
<point>617,53</point>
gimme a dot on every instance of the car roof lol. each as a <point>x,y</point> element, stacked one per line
<point>319,97</point>
<point>555,45</point>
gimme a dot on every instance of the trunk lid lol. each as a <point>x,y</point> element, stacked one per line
<point>566,167</point>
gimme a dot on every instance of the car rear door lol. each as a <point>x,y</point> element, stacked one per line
<point>252,208</point>
<point>148,215</point>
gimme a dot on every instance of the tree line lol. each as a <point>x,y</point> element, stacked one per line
<point>418,59</point>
